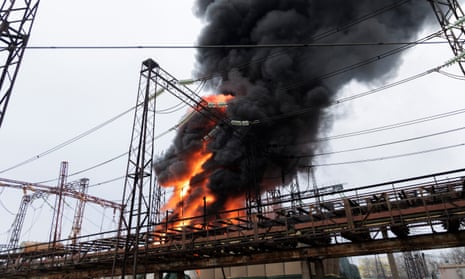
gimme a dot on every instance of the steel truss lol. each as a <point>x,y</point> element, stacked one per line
<point>16,18</point>
<point>451,18</point>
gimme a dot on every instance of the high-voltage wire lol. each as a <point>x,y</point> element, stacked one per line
<point>391,157</point>
<point>68,142</point>
<point>317,37</point>
<point>233,46</point>
<point>376,145</point>
<point>331,74</point>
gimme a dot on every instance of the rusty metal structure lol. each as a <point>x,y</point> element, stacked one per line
<point>418,213</point>
<point>75,189</point>
<point>16,19</point>
<point>138,192</point>
<point>19,218</point>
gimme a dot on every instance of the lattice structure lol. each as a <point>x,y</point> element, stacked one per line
<point>83,185</point>
<point>451,18</point>
<point>16,18</point>
<point>139,182</point>
<point>55,231</point>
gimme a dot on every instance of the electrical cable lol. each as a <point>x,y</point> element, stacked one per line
<point>107,181</point>
<point>365,62</point>
<point>236,46</point>
<point>317,37</point>
<point>6,209</point>
<point>87,169</point>
<point>385,127</point>
<point>68,142</point>
<point>333,31</point>
<point>356,96</point>
<point>450,75</point>
<point>376,145</point>
<point>172,109</point>
<point>390,157</point>
<point>329,75</point>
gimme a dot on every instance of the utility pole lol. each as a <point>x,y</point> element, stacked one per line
<point>16,19</point>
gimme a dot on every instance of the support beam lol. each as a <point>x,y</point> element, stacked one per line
<point>319,269</point>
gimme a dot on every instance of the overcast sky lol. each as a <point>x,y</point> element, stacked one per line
<point>60,94</point>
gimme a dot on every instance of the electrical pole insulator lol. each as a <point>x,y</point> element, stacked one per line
<point>16,19</point>
<point>451,18</point>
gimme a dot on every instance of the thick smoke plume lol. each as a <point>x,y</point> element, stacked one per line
<point>284,90</point>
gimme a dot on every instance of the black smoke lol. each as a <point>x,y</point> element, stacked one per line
<point>286,91</point>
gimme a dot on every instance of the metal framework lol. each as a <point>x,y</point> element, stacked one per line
<point>345,223</point>
<point>451,18</point>
<point>67,192</point>
<point>16,19</point>
<point>39,191</point>
<point>79,210</point>
<point>19,219</point>
<point>55,231</point>
<point>139,183</point>
<point>141,198</point>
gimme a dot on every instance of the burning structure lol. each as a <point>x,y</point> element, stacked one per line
<point>277,84</point>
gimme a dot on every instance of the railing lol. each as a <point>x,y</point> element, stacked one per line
<point>400,209</point>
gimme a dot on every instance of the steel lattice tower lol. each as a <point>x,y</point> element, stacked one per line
<point>136,217</point>
<point>451,18</point>
<point>16,18</point>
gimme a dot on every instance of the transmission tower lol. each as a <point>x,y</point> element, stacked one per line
<point>139,183</point>
<point>16,18</point>
<point>451,18</point>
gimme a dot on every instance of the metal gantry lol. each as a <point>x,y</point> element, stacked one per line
<point>39,191</point>
<point>18,222</point>
<point>451,18</point>
<point>139,182</point>
<point>346,223</point>
<point>16,19</point>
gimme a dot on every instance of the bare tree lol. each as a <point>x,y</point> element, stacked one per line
<point>454,255</point>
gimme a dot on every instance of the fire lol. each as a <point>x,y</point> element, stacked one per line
<point>191,195</point>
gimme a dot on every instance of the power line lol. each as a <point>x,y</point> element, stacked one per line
<point>390,157</point>
<point>365,62</point>
<point>233,46</point>
<point>339,101</point>
<point>350,134</point>
<point>107,181</point>
<point>68,142</point>
<point>319,36</point>
<point>342,70</point>
<point>376,145</point>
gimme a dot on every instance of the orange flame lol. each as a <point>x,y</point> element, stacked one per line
<point>184,186</point>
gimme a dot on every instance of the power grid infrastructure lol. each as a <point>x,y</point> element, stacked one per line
<point>311,221</point>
